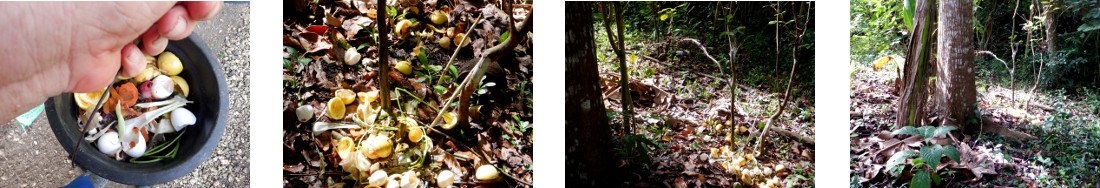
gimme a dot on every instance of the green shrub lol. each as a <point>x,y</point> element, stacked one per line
<point>927,157</point>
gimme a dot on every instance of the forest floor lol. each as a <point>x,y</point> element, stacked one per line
<point>500,129</point>
<point>682,111</point>
<point>1064,153</point>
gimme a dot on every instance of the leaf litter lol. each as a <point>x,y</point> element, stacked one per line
<point>316,36</point>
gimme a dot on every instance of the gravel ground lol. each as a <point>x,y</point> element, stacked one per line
<point>33,158</point>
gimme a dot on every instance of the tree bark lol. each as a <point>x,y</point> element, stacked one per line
<point>383,58</point>
<point>734,47</point>
<point>588,156</point>
<point>957,94</point>
<point>914,96</point>
<point>613,8</point>
<point>1049,22</point>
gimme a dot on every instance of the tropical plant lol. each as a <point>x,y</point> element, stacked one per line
<point>927,158</point>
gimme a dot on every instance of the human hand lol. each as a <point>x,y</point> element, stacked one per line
<point>56,47</point>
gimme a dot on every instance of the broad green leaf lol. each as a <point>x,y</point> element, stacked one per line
<point>941,130</point>
<point>951,152</point>
<point>921,180</point>
<point>1089,26</point>
<point>936,178</point>
<point>907,15</point>
<point>773,22</point>
<point>293,52</point>
<point>729,16</point>
<point>503,36</point>
<point>664,17</point>
<point>633,57</point>
<point>930,155</point>
<point>907,130</point>
<point>898,158</point>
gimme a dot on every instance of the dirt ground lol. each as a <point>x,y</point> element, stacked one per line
<point>33,158</point>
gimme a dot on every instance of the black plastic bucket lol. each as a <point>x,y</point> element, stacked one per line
<point>209,94</point>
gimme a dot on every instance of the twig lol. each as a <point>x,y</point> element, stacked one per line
<point>458,48</point>
<point>701,47</point>
<point>787,93</point>
<point>417,98</point>
<point>476,152</point>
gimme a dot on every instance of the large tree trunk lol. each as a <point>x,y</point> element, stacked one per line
<point>914,96</point>
<point>588,155</point>
<point>956,95</point>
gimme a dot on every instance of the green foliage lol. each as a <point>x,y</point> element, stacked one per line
<point>928,157</point>
<point>875,30</point>
<point>926,132</point>
<point>635,147</point>
<point>1069,143</point>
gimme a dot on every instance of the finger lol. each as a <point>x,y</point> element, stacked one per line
<point>133,61</point>
<point>176,24</point>
<point>152,43</point>
<point>202,10</point>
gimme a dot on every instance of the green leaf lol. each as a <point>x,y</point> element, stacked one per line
<point>941,130</point>
<point>633,57</point>
<point>422,56</point>
<point>951,152</point>
<point>907,130</point>
<point>898,158</point>
<point>361,46</point>
<point>921,180</point>
<point>936,178</point>
<point>293,52</point>
<point>440,89</point>
<point>729,17</point>
<point>664,17</point>
<point>1089,26</point>
<point>773,22</point>
<point>454,71</point>
<point>503,36</point>
<point>907,15</point>
<point>930,155</point>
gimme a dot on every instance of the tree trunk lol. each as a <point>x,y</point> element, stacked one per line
<point>734,47</point>
<point>588,157</point>
<point>956,95</point>
<point>614,8</point>
<point>1048,21</point>
<point>914,96</point>
<point>383,59</point>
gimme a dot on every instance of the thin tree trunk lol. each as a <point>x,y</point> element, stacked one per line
<point>957,94</point>
<point>613,9</point>
<point>777,39</point>
<point>734,47</point>
<point>914,96</point>
<point>589,162</point>
<point>1051,25</point>
<point>1012,43</point>
<point>786,92</point>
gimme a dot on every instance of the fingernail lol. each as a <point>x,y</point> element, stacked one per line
<point>155,46</point>
<point>137,58</point>
<point>181,26</point>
